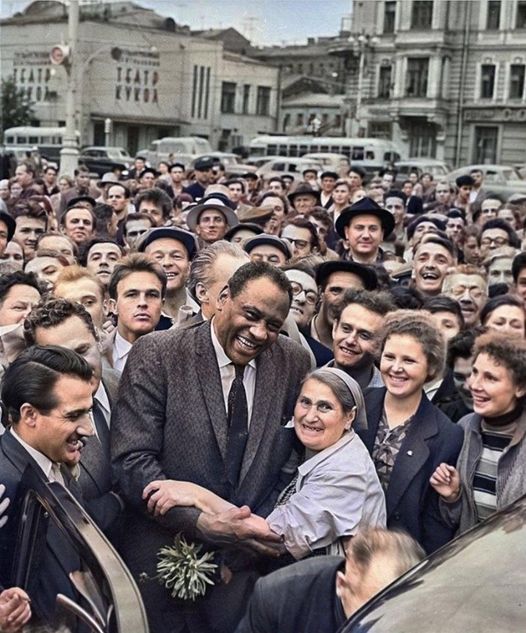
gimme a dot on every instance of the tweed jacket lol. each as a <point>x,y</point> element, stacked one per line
<point>170,422</point>
<point>511,472</point>
<point>431,439</point>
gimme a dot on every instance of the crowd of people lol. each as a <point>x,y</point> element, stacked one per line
<point>318,380</point>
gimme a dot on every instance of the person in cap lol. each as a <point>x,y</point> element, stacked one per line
<point>304,198</point>
<point>147,179</point>
<point>310,177</point>
<point>333,278</point>
<point>106,181</point>
<point>78,220</point>
<point>327,183</point>
<point>211,219</point>
<point>7,230</point>
<point>243,231</point>
<point>202,171</point>
<point>358,320</point>
<point>268,248</point>
<point>253,184</point>
<point>364,225</point>
<point>173,249</point>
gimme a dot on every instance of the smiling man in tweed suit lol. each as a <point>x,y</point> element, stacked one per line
<point>208,405</point>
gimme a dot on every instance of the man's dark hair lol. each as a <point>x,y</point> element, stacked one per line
<point>424,218</point>
<point>358,170</point>
<point>499,223</point>
<point>158,197</point>
<point>135,216</point>
<point>407,298</point>
<point>462,344</point>
<point>456,213</point>
<point>32,377</point>
<point>518,264</point>
<point>83,259</point>
<point>374,301</point>
<point>86,206</point>
<point>496,302</point>
<point>135,263</point>
<point>103,213</point>
<point>303,223</point>
<point>276,179</point>
<point>445,304</point>
<point>236,181</point>
<point>441,241</point>
<point>256,270</point>
<point>18,278</point>
<point>81,169</point>
<point>323,216</point>
<point>30,209</point>
<point>52,313</point>
<point>272,194</point>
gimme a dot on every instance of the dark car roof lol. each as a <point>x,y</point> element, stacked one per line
<point>475,583</point>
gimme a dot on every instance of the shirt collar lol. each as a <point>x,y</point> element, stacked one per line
<point>102,397</point>
<point>44,462</point>
<point>122,346</point>
<point>222,358</point>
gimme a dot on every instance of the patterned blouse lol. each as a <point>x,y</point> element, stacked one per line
<point>387,446</point>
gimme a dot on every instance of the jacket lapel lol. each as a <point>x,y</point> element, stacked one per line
<point>210,382</point>
<point>413,453</point>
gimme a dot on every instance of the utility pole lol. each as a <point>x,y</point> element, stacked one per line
<point>69,153</point>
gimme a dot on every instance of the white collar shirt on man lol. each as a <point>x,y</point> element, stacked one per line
<point>227,372</point>
<point>121,349</point>
<point>50,469</point>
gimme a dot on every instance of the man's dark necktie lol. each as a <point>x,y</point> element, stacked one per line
<point>103,432</point>
<point>237,426</point>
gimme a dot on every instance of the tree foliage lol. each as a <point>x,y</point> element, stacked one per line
<point>15,106</point>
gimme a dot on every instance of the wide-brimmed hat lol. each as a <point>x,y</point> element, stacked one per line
<point>9,222</point>
<point>365,273</point>
<point>171,232</point>
<point>302,190</point>
<point>210,203</point>
<point>243,226</point>
<point>271,240</point>
<point>365,206</point>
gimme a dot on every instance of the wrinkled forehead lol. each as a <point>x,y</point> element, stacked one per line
<point>465,280</point>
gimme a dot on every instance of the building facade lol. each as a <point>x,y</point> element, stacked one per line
<point>149,76</point>
<point>442,78</point>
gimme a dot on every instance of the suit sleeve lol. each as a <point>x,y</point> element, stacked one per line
<point>258,617</point>
<point>137,431</point>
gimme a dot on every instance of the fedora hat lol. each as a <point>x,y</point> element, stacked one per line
<point>365,206</point>
<point>211,203</point>
<point>259,215</point>
<point>302,190</point>
<point>108,179</point>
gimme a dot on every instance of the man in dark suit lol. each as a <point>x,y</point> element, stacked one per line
<point>317,595</point>
<point>61,322</point>
<point>47,395</point>
<point>208,405</point>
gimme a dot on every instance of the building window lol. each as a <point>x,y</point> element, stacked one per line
<point>422,140</point>
<point>194,89</point>
<point>487,81</point>
<point>493,19</point>
<point>299,119</point>
<point>200,91</point>
<point>384,82</point>
<point>380,129</point>
<point>422,16</point>
<point>389,16</point>
<point>246,98</point>
<point>337,120</point>
<point>300,69</point>
<point>263,101</point>
<point>521,15</point>
<point>228,97</point>
<point>286,121</point>
<point>416,79</point>
<point>485,147</point>
<point>517,81</point>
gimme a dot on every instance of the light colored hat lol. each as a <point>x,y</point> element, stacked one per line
<point>211,203</point>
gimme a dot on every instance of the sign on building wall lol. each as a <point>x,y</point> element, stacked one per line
<point>137,78</point>
<point>32,71</point>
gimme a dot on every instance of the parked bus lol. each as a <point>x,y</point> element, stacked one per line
<point>47,140</point>
<point>370,153</point>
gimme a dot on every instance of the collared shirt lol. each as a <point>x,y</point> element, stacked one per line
<point>47,466</point>
<point>121,349</point>
<point>431,388</point>
<point>387,445</point>
<point>102,398</point>
<point>227,372</point>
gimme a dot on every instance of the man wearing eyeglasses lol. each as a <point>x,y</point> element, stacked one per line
<point>496,234</point>
<point>467,285</point>
<point>303,236</point>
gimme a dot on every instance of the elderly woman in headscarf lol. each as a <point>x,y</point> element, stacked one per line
<point>335,490</point>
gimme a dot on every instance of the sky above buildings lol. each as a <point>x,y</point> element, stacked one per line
<point>263,21</point>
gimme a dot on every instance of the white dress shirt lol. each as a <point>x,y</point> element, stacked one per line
<point>102,398</point>
<point>227,372</point>
<point>51,469</point>
<point>121,349</point>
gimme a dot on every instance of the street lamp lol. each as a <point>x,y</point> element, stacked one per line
<point>69,154</point>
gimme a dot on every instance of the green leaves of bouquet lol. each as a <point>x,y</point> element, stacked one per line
<point>183,570</point>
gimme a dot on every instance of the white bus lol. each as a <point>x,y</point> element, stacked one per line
<point>370,153</point>
<point>47,140</point>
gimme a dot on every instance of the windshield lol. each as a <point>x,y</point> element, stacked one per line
<point>477,583</point>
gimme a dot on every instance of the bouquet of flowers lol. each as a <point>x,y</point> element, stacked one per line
<point>183,570</point>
